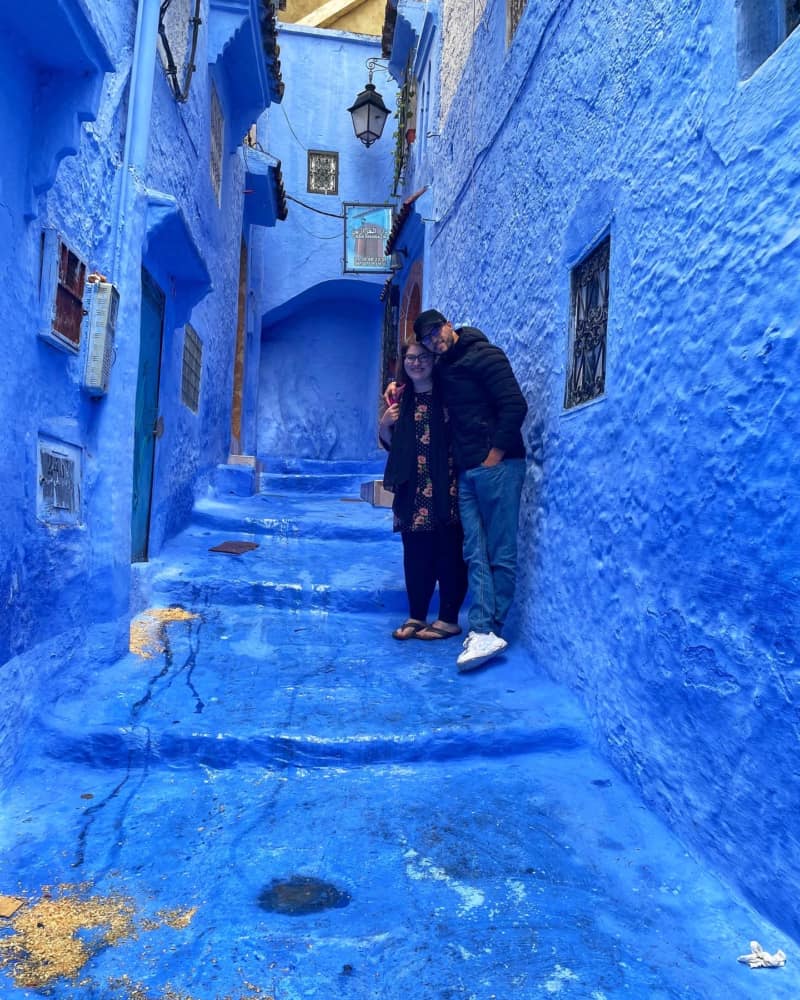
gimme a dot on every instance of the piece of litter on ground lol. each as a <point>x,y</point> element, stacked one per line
<point>234,548</point>
<point>760,959</point>
<point>9,905</point>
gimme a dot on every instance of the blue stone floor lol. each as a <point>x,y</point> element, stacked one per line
<point>283,801</point>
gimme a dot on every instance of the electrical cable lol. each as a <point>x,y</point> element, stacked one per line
<point>299,143</point>
<point>545,35</point>
<point>333,215</point>
<point>311,208</point>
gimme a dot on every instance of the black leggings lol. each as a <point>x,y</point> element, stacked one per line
<point>431,556</point>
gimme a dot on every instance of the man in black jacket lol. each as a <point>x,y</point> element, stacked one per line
<point>486,409</point>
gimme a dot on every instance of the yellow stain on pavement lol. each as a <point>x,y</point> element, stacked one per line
<point>53,937</point>
<point>45,945</point>
<point>147,633</point>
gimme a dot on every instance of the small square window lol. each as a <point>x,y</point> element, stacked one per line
<point>192,368</point>
<point>323,172</point>
<point>586,377</point>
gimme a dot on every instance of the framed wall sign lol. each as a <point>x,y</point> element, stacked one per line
<point>366,230</point>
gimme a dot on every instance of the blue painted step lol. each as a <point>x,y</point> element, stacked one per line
<point>335,483</point>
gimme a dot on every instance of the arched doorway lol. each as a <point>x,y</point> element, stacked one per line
<point>411,305</point>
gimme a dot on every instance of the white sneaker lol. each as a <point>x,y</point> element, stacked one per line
<point>478,648</point>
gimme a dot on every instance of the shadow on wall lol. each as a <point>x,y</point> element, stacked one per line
<point>319,376</point>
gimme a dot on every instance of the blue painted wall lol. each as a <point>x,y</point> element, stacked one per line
<point>319,385</point>
<point>47,572</point>
<point>660,525</point>
<point>319,375</point>
<point>97,183</point>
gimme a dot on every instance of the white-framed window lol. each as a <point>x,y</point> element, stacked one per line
<point>192,368</point>
<point>762,25</point>
<point>217,142</point>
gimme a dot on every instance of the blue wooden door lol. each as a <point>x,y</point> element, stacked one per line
<point>145,430</point>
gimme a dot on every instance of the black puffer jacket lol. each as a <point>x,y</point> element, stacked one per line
<point>483,399</point>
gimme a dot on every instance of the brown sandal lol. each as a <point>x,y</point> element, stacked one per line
<point>412,624</point>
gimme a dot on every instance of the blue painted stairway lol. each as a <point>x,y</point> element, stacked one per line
<point>285,802</point>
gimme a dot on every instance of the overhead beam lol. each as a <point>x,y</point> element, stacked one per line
<point>328,13</point>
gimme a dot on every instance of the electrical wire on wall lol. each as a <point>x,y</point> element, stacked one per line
<point>289,197</point>
<point>291,129</point>
<point>548,31</point>
<point>319,211</point>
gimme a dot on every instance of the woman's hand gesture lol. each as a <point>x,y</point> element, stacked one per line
<point>390,416</point>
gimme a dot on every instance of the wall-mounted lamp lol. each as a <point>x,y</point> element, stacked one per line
<point>368,111</point>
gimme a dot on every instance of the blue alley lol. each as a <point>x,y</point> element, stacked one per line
<point>221,778</point>
<point>268,796</point>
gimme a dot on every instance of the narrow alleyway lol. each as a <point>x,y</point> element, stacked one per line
<point>270,797</point>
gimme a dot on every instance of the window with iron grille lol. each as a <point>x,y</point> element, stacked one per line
<point>586,375</point>
<point>58,486</point>
<point>192,368</point>
<point>514,11</point>
<point>323,172</point>
<point>762,26</point>
<point>217,140</point>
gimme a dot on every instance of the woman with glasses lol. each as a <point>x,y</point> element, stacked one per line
<point>419,471</point>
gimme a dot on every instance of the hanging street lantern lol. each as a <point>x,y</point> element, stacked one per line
<point>368,111</point>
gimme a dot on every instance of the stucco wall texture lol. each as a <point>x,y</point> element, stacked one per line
<point>319,388</point>
<point>321,337</point>
<point>660,525</point>
<point>46,570</point>
<point>58,580</point>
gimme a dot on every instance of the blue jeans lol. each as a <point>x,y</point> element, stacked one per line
<point>488,499</point>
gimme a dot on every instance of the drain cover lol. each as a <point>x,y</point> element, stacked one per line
<point>301,894</point>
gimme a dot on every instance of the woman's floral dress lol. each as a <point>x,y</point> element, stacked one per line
<point>422,515</point>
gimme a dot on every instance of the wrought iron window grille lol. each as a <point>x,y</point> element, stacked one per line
<point>323,172</point>
<point>192,369</point>
<point>586,375</point>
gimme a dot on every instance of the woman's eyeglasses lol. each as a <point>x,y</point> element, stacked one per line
<point>418,359</point>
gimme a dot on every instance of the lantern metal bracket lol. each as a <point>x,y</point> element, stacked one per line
<point>374,64</point>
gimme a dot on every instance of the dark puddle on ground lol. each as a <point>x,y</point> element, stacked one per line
<point>301,894</point>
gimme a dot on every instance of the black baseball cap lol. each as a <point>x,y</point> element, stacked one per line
<point>427,321</point>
